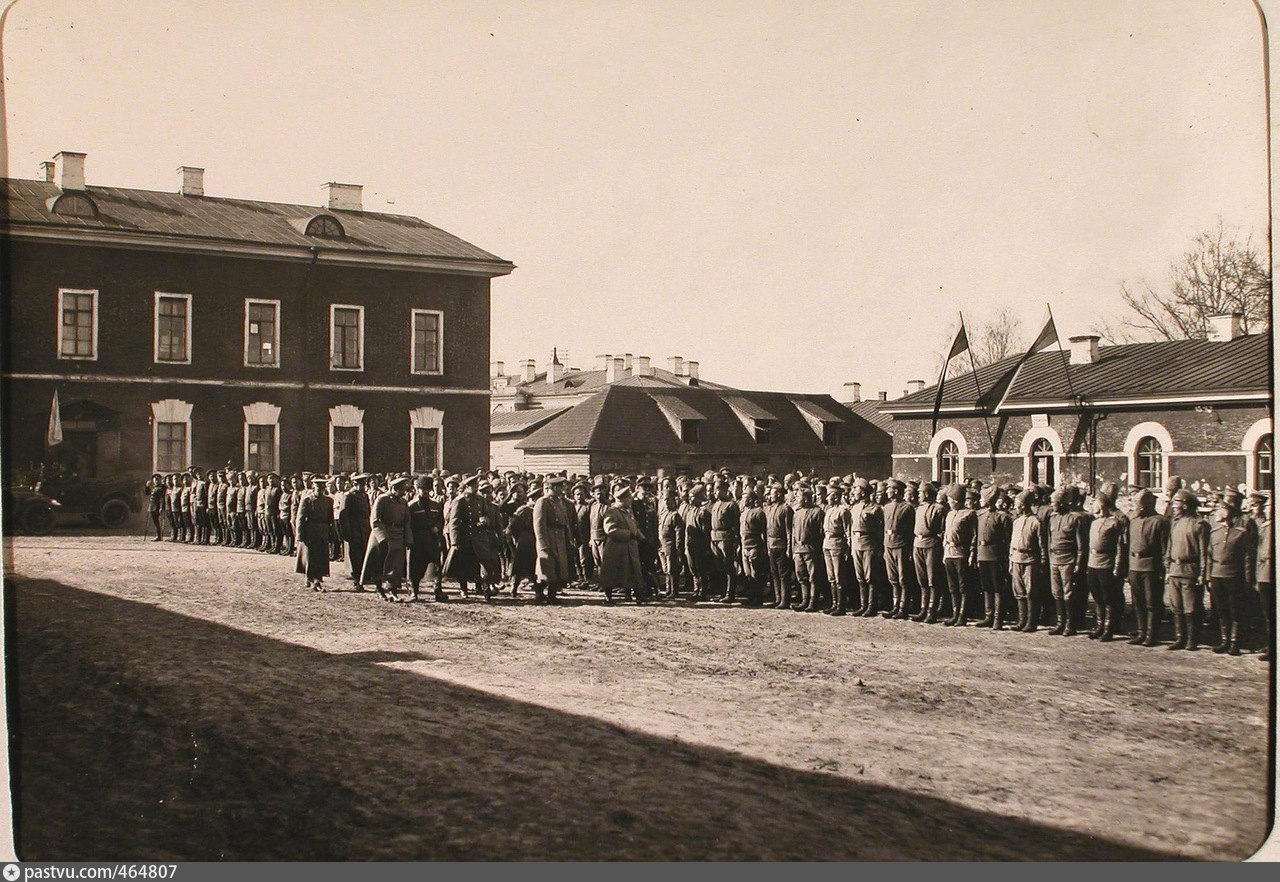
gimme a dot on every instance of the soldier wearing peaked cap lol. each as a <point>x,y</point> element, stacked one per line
<point>1108,559</point>
<point>899,523</point>
<point>930,518</point>
<point>1187,568</point>
<point>1068,554</point>
<point>315,517</point>
<point>994,534</point>
<point>389,538</point>
<point>1264,570</point>
<point>1233,541</point>
<point>426,524</point>
<point>553,519</point>
<point>866,530</point>
<point>1148,537</point>
<point>959,547</point>
<point>1028,552</point>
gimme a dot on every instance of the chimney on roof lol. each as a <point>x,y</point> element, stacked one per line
<point>616,370</point>
<point>626,362</point>
<point>643,369</point>
<point>915,386</point>
<point>855,391</point>
<point>676,364</point>
<point>47,171</point>
<point>497,369</point>
<point>69,170</point>
<point>1084,348</point>
<point>344,197</point>
<point>530,371</point>
<point>191,180</point>
<point>556,369</point>
<point>691,367</point>
<point>1226,327</point>
<point>884,396</point>
<point>603,362</point>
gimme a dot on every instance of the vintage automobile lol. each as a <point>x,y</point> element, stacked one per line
<point>104,501</point>
<point>29,511</point>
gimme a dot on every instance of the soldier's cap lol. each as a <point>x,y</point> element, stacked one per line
<point>1025,497</point>
<point>862,483</point>
<point>400,482</point>
<point>955,493</point>
<point>1261,495</point>
<point>452,480</point>
<point>972,493</point>
<point>272,475</point>
<point>895,484</point>
<point>470,480</point>
<point>1187,497</point>
<point>1109,491</point>
<point>518,485</point>
<point>556,480</point>
<point>600,481</point>
<point>644,482</point>
<point>1143,495</point>
<point>319,479</point>
<point>620,487</point>
<point>1060,494</point>
<point>988,493</point>
<point>362,476</point>
<point>581,485</point>
<point>1172,484</point>
<point>1232,498</point>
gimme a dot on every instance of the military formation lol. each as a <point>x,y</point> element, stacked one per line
<point>1010,557</point>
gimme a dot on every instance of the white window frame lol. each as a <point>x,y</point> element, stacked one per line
<point>948,433</point>
<point>1044,433</point>
<point>62,292</point>
<point>413,342</point>
<point>275,343</point>
<point>333,314</point>
<point>1148,429</point>
<point>1249,445</point>
<point>170,410</point>
<point>347,416</point>
<point>262,413</point>
<point>426,418</point>
<point>155,315</point>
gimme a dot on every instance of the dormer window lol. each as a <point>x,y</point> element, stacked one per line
<point>689,431</point>
<point>326,226</point>
<point>73,205</point>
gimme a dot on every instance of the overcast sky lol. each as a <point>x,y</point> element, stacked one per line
<point>794,194</point>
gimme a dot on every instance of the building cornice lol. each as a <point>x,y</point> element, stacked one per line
<point>243,384</point>
<point>1200,398</point>
<point>200,245</point>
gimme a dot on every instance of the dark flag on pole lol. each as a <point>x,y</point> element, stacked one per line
<point>959,345</point>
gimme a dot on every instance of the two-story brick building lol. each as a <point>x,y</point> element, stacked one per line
<point>182,328</point>
<point>1134,413</point>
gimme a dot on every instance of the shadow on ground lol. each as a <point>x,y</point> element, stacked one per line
<point>144,734</point>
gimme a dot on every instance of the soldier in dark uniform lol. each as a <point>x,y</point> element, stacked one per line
<point>1148,538</point>
<point>1186,564</point>
<point>1233,543</point>
<point>595,519</point>
<point>315,516</point>
<point>994,533</point>
<point>899,522</point>
<point>155,502</point>
<point>930,516</point>
<point>1068,554</point>
<point>726,527</point>
<point>390,535</point>
<point>778,517</point>
<point>553,519</point>
<point>697,539</point>
<point>251,513</point>
<point>426,523</point>
<point>1264,569</point>
<point>670,539</point>
<point>460,523</point>
<point>487,540</point>
<point>806,549</point>
<point>645,511</point>
<point>580,534</point>
<point>283,513</point>
<point>1108,558</point>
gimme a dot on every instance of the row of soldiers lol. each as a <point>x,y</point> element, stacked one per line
<point>847,545</point>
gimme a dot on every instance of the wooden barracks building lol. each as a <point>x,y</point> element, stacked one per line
<point>179,328</point>
<point>1134,413</point>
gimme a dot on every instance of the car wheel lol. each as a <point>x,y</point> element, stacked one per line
<point>114,512</point>
<point>36,519</point>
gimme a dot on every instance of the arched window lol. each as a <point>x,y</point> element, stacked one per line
<point>1264,464</point>
<point>1042,463</point>
<point>325,226</point>
<point>948,463</point>
<point>1149,464</point>
<point>73,205</point>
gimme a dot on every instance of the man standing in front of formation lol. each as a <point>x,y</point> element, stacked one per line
<point>315,517</point>
<point>384,560</point>
<point>551,520</point>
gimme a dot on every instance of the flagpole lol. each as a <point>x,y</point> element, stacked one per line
<point>991,441</point>
<point>1075,399</point>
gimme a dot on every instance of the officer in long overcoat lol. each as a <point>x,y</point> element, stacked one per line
<point>389,536</point>
<point>312,525</point>
<point>620,558</point>
<point>460,526</point>
<point>551,522</point>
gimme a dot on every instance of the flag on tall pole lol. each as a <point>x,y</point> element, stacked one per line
<point>1047,336</point>
<point>959,345</point>
<point>54,435</point>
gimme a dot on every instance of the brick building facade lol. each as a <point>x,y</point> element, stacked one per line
<point>1134,414</point>
<point>182,329</point>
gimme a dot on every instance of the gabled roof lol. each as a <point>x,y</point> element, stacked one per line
<point>25,205</point>
<point>632,419</point>
<point>870,411</point>
<point>515,422</point>
<point>1190,369</point>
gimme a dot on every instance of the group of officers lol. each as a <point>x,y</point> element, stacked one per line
<point>847,545</point>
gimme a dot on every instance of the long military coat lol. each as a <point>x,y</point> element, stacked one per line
<point>620,559</point>
<point>551,538</point>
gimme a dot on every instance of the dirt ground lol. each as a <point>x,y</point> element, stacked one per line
<point>184,703</point>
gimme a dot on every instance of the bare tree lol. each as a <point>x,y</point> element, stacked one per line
<point>1219,273</point>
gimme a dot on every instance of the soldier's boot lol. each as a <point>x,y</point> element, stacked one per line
<point>439,593</point>
<point>1193,632</point>
<point>997,619</point>
<point>1179,632</point>
<point>892,612</point>
<point>804,596</point>
<point>986,620</point>
<point>1022,613</point>
<point>1099,620</point>
<point>811,599</point>
<point>955,611</point>
<point>1151,633</point>
<point>1224,632</point>
<point>1109,627</point>
<point>1073,623</point>
<point>1235,639</point>
<point>1139,630</point>
<point>539,593</point>
<point>1033,616</point>
<point>1060,606</point>
<point>925,600</point>
<point>552,593</point>
<point>837,601</point>
<point>413,592</point>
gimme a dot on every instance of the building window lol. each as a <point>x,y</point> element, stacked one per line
<point>326,226</point>
<point>78,324</point>
<point>1149,464</point>
<point>428,326</point>
<point>689,431</point>
<point>173,328</point>
<point>763,431</point>
<point>260,448</point>
<point>171,447</point>
<point>831,434</point>
<point>346,338</point>
<point>1042,463</point>
<point>346,448</point>
<point>426,449</point>
<point>262,333</point>
<point>948,463</point>
<point>73,205</point>
<point>1264,465</point>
